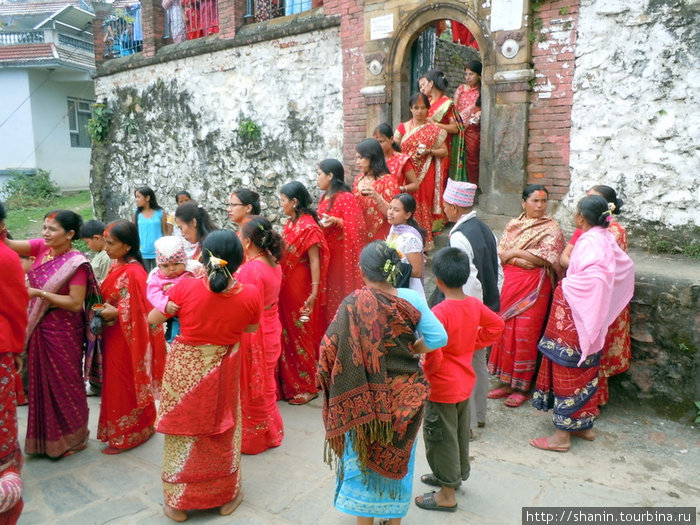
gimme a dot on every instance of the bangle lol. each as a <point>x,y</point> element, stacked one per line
<point>43,296</point>
<point>314,283</point>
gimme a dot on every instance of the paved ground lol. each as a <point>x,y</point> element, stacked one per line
<point>637,460</point>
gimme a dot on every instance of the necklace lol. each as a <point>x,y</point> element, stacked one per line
<point>50,257</point>
<point>260,254</point>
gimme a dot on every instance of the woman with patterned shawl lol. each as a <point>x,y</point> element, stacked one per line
<point>344,228</point>
<point>598,285</point>
<point>443,112</point>
<point>529,251</point>
<point>424,141</point>
<point>134,352</point>
<point>617,351</point>
<point>199,409</point>
<point>374,389</point>
<point>263,249</point>
<point>468,104</point>
<point>62,290</point>
<point>374,187</point>
<point>302,296</point>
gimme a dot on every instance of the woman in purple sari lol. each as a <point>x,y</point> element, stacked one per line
<point>62,289</point>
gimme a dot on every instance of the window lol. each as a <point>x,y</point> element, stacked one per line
<point>79,112</point>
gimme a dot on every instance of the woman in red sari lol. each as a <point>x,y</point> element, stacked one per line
<point>199,409</point>
<point>302,296</point>
<point>617,351</point>
<point>468,104</point>
<point>134,352</point>
<point>400,164</point>
<point>424,141</point>
<point>242,205</point>
<point>443,112</point>
<point>62,289</point>
<point>374,187</point>
<point>529,251</point>
<point>201,18</point>
<point>263,249</point>
<point>344,228</point>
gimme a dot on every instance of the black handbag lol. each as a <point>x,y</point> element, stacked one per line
<point>403,274</point>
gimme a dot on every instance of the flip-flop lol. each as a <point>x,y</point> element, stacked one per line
<point>543,444</point>
<point>429,503</point>
<point>498,393</point>
<point>302,399</point>
<point>431,480</point>
<point>516,399</point>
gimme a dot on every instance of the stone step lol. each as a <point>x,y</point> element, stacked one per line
<point>665,329</point>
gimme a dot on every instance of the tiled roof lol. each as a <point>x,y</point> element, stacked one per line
<point>35,8</point>
<point>35,54</point>
<point>27,53</point>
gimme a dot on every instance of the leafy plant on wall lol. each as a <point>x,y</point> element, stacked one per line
<point>98,125</point>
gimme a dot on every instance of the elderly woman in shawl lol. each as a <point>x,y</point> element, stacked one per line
<point>529,251</point>
<point>374,389</point>
<point>598,285</point>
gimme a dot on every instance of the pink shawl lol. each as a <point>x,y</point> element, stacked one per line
<point>597,286</point>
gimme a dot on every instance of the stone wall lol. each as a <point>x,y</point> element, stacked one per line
<point>176,123</point>
<point>451,59</point>
<point>636,112</point>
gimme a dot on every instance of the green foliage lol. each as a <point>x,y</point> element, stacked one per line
<point>28,191</point>
<point>692,250</point>
<point>697,407</point>
<point>564,11</point>
<point>25,223</point>
<point>98,125</point>
<point>249,131</point>
<point>132,107</point>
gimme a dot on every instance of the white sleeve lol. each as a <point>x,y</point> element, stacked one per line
<point>501,277</point>
<point>472,287</point>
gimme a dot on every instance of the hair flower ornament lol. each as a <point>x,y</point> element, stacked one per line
<point>217,264</point>
<point>611,207</point>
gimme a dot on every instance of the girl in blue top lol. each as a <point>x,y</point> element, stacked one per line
<point>151,222</point>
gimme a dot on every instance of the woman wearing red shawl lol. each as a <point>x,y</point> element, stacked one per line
<point>374,187</point>
<point>374,389</point>
<point>617,351</point>
<point>13,326</point>
<point>302,296</point>
<point>344,229</point>
<point>62,289</point>
<point>400,164</point>
<point>199,408</point>
<point>443,112</point>
<point>263,249</point>
<point>201,18</point>
<point>598,285</point>
<point>424,141</point>
<point>134,352</point>
<point>468,104</point>
<point>529,251</point>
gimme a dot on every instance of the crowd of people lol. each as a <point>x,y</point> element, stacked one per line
<point>197,332</point>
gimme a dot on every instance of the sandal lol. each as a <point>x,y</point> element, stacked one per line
<point>516,399</point>
<point>543,444</point>
<point>302,399</point>
<point>429,503</point>
<point>431,480</point>
<point>498,393</point>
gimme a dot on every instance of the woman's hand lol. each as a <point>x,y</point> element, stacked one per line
<point>34,292</point>
<point>109,312</point>
<point>308,306</point>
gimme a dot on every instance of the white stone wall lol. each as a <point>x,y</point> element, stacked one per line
<point>185,132</point>
<point>636,112</point>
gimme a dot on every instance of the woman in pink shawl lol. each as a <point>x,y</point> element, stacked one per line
<point>598,285</point>
<point>62,289</point>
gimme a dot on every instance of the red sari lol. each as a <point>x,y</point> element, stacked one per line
<point>297,366</point>
<point>345,242</point>
<point>617,351</point>
<point>201,18</point>
<point>525,299</point>
<point>200,410</point>
<point>134,354</point>
<point>387,187</point>
<point>262,423</point>
<point>429,171</point>
<point>465,100</point>
<point>399,164</point>
<point>453,165</point>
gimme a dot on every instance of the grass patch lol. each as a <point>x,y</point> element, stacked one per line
<point>25,223</point>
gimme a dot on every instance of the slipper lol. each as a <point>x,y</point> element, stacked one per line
<point>302,399</point>
<point>431,480</point>
<point>429,503</point>
<point>498,393</point>
<point>516,399</point>
<point>582,434</point>
<point>543,444</point>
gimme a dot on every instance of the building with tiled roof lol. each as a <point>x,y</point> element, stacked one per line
<point>46,68</point>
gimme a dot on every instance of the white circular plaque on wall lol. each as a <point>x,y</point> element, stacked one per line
<point>375,67</point>
<point>510,48</point>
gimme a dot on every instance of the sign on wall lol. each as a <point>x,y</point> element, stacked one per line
<point>506,15</point>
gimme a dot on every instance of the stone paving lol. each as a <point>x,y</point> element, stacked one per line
<point>637,460</point>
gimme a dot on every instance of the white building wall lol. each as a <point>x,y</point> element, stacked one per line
<point>69,166</point>
<point>636,113</point>
<point>16,136</point>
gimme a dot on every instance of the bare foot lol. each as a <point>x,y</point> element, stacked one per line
<point>111,451</point>
<point>588,434</point>
<point>174,514</point>
<point>228,508</point>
